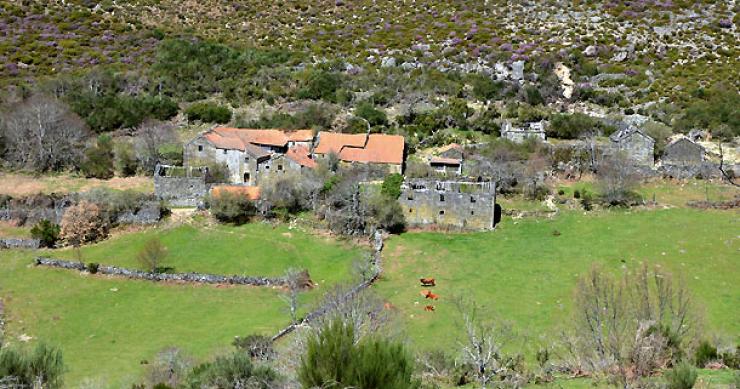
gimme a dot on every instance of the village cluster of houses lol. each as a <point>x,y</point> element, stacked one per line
<point>253,155</point>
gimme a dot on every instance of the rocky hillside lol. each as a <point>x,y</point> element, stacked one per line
<point>663,47</point>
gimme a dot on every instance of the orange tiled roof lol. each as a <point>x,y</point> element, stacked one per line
<point>237,138</point>
<point>251,192</point>
<point>301,156</point>
<point>375,148</point>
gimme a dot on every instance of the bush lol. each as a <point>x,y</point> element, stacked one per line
<point>259,347</point>
<point>320,85</point>
<point>99,159</point>
<point>570,126</point>
<point>42,368</point>
<point>683,376</point>
<point>334,358</point>
<point>126,163</point>
<point>391,187</point>
<point>92,267</point>
<point>229,207</point>
<point>388,214</point>
<point>374,116</point>
<point>217,172</point>
<point>208,113</point>
<point>83,223</point>
<point>233,371</point>
<point>46,232</point>
<point>705,353</point>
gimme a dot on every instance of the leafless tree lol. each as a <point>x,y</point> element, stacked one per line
<point>293,286</point>
<point>482,348</point>
<point>725,174</point>
<point>149,137</point>
<point>82,223</point>
<point>152,255</point>
<point>42,134</point>
<point>291,191</point>
<point>170,367</point>
<point>617,179</point>
<point>629,328</point>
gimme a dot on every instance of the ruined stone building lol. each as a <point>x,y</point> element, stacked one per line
<point>251,154</point>
<point>383,150</point>
<point>459,204</point>
<point>635,144</point>
<point>180,186</point>
<point>533,130</point>
<point>683,152</point>
<point>448,160</point>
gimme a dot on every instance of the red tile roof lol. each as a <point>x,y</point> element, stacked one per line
<point>301,155</point>
<point>375,148</point>
<point>251,192</point>
<point>237,138</point>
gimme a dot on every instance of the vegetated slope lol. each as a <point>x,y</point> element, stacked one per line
<point>680,42</point>
<point>525,273</point>
<point>108,326</point>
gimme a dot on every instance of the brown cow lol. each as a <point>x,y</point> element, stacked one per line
<point>429,308</point>
<point>427,282</point>
<point>428,294</point>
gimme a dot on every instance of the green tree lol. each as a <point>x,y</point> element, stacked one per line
<point>99,159</point>
<point>374,116</point>
<point>208,113</point>
<point>333,359</point>
<point>391,186</point>
<point>46,232</point>
<point>571,126</point>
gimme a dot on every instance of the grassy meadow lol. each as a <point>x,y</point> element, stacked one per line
<point>525,273</point>
<point>107,326</point>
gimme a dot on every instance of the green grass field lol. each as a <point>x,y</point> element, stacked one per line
<point>106,326</point>
<point>525,274</point>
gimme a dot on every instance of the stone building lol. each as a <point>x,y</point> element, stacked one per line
<point>250,154</point>
<point>535,130</point>
<point>387,151</point>
<point>459,204</point>
<point>448,160</point>
<point>180,186</point>
<point>683,152</point>
<point>635,144</point>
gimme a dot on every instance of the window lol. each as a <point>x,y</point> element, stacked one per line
<point>409,197</point>
<point>225,151</point>
<point>280,167</point>
<point>246,177</point>
<point>411,210</point>
<point>472,199</point>
<point>441,197</point>
<point>472,212</point>
<point>267,167</point>
<point>200,148</point>
<point>246,159</point>
<point>442,212</point>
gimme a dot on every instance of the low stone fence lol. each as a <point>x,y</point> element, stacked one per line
<point>18,243</point>
<point>199,278</point>
<point>375,262</point>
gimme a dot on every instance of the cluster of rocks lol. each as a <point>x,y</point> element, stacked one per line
<point>199,278</point>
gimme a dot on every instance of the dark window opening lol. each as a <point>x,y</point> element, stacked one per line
<point>280,167</point>
<point>246,159</point>
<point>200,147</point>
<point>472,212</point>
<point>411,210</point>
<point>246,177</point>
<point>409,197</point>
<point>225,151</point>
<point>441,197</point>
<point>472,199</point>
<point>442,212</point>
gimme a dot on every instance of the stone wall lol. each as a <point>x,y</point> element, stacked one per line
<point>200,278</point>
<point>464,205</point>
<point>30,210</point>
<point>19,243</point>
<point>180,186</point>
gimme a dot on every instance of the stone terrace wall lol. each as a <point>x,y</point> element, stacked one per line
<point>180,186</point>
<point>200,278</point>
<point>18,243</point>
<point>465,205</point>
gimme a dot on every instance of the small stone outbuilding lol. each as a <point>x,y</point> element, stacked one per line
<point>683,152</point>
<point>533,130</point>
<point>635,144</point>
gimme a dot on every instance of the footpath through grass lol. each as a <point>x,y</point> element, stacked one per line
<point>108,326</point>
<point>525,273</point>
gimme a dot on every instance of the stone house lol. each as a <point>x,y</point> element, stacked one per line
<point>637,145</point>
<point>180,186</point>
<point>251,154</point>
<point>458,204</point>
<point>535,130</point>
<point>683,152</point>
<point>448,160</point>
<point>384,150</point>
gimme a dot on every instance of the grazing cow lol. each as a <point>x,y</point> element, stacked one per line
<point>427,282</point>
<point>429,308</point>
<point>428,294</point>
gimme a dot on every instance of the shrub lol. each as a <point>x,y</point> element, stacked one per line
<point>83,223</point>
<point>92,267</point>
<point>705,353</point>
<point>374,116</point>
<point>41,368</point>
<point>208,113</point>
<point>289,193</point>
<point>391,187</point>
<point>229,207</point>
<point>99,159</point>
<point>217,172</point>
<point>570,126</point>
<point>334,358</point>
<point>126,163</point>
<point>258,347</point>
<point>152,255</point>
<point>320,85</point>
<point>683,376</point>
<point>46,232</point>
<point>388,214</point>
<point>233,371</point>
